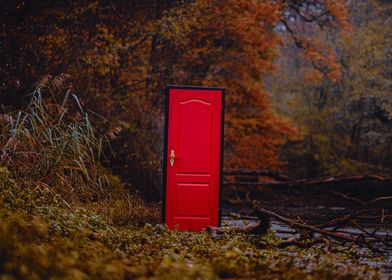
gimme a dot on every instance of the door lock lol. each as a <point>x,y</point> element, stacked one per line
<point>172,157</point>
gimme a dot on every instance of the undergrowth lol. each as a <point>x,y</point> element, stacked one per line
<point>42,239</point>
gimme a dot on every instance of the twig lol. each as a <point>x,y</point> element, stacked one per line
<point>347,197</point>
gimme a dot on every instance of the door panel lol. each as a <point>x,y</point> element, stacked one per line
<point>194,136</point>
<point>194,147</point>
<point>193,200</point>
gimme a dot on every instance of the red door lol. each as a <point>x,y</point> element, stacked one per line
<point>193,157</point>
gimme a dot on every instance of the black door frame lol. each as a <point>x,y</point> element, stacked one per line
<point>164,162</point>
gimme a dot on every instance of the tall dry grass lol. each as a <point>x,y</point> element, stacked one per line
<point>53,145</point>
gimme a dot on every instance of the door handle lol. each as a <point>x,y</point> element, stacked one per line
<point>172,157</point>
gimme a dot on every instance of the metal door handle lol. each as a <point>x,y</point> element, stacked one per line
<point>172,157</point>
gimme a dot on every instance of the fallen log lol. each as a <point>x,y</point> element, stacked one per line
<point>257,173</point>
<point>313,182</point>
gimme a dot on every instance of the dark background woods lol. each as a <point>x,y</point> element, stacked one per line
<point>325,64</point>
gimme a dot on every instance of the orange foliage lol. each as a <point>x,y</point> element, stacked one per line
<point>122,54</point>
<point>307,23</point>
<point>338,10</point>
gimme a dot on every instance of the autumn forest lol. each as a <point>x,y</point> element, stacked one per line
<point>307,158</point>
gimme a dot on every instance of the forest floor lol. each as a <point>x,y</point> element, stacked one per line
<point>41,237</point>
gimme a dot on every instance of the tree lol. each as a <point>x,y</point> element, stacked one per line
<point>345,121</point>
<point>121,55</point>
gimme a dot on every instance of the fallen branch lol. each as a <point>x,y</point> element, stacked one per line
<point>347,197</point>
<point>367,238</point>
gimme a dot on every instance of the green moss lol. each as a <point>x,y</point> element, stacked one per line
<point>42,239</point>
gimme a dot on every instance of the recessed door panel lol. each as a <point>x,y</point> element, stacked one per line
<point>193,200</point>
<point>193,157</point>
<point>195,136</point>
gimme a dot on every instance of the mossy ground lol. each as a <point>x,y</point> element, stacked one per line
<point>40,238</point>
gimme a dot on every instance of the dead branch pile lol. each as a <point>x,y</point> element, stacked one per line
<point>306,235</point>
<point>334,229</point>
<point>247,183</point>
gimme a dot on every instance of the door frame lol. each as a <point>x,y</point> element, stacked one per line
<point>164,162</point>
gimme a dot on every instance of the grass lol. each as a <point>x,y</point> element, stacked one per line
<point>53,145</point>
